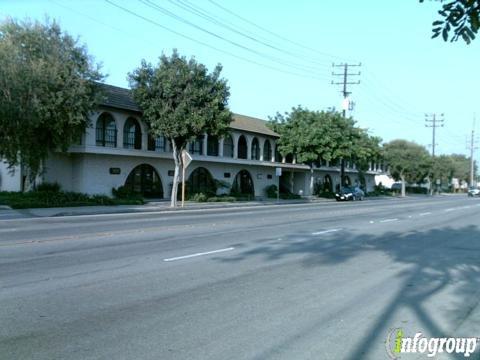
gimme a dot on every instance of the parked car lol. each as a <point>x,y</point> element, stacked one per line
<point>350,193</point>
<point>473,191</point>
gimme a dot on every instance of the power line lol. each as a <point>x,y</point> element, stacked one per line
<point>167,12</point>
<point>273,33</point>
<point>155,23</point>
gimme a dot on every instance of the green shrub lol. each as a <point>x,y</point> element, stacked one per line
<point>123,192</point>
<point>271,191</point>
<point>199,197</point>
<point>221,199</point>
<point>45,199</point>
<point>48,187</point>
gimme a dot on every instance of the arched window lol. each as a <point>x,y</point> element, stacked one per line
<point>200,181</point>
<point>132,134</point>
<point>145,180</point>
<point>255,149</point>
<point>157,144</point>
<point>327,184</point>
<point>289,158</point>
<point>242,148</point>
<point>267,151</point>
<point>212,145</point>
<point>228,146</point>
<point>347,181</point>
<point>243,185</point>
<point>106,131</point>
<point>196,146</point>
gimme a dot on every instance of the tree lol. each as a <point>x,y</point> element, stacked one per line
<point>462,17</point>
<point>313,135</point>
<point>47,90</point>
<point>407,161</point>
<point>181,101</point>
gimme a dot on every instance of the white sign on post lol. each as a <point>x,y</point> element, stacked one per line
<point>186,160</point>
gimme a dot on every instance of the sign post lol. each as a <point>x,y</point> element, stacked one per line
<point>186,160</point>
<point>278,173</point>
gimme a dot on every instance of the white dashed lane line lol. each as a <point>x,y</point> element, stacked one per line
<point>425,213</point>
<point>199,254</point>
<point>388,220</point>
<point>325,231</point>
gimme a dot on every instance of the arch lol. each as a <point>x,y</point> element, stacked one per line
<point>255,149</point>
<point>347,181</point>
<point>267,151</point>
<point>212,145</point>
<point>289,158</point>
<point>228,146</point>
<point>195,147</point>
<point>242,152</point>
<point>327,184</point>
<point>106,131</point>
<point>145,180</point>
<point>132,134</point>
<point>201,181</point>
<point>243,185</point>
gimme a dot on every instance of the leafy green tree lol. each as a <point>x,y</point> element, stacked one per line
<point>47,90</point>
<point>313,135</point>
<point>181,101</point>
<point>407,161</point>
<point>460,19</point>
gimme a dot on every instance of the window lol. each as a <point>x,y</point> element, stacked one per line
<point>132,134</point>
<point>267,151</point>
<point>255,149</point>
<point>278,156</point>
<point>145,180</point>
<point>157,144</point>
<point>196,147</point>
<point>212,146</point>
<point>228,146</point>
<point>242,148</point>
<point>106,131</point>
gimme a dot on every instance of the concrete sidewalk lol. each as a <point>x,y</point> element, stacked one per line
<point>153,206</point>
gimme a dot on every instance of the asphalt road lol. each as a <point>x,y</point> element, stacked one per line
<point>309,281</point>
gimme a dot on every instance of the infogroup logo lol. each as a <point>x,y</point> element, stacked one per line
<point>397,343</point>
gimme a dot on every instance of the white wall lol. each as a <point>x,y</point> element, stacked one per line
<point>10,179</point>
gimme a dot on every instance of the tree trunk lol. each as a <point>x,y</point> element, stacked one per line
<point>177,158</point>
<point>311,180</point>
<point>403,185</point>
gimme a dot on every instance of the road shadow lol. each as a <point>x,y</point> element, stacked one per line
<point>436,258</point>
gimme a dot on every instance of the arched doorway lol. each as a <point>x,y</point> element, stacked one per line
<point>200,181</point>
<point>327,184</point>
<point>242,148</point>
<point>347,181</point>
<point>243,185</point>
<point>145,180</point>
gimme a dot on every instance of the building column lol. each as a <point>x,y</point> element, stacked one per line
<point>220,147</point>
<point>249,147</point>
<point>205,144</point>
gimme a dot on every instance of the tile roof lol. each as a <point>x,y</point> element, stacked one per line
<point>121,98</point>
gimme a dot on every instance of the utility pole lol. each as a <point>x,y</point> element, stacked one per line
<point>345,93</point>
<point>432,121</point>
<point>472,147</point>
<point>345,74</point>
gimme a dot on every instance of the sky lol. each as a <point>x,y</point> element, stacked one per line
<point>279,54</point>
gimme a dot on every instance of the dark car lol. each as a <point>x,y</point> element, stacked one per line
<point>350,193</point>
